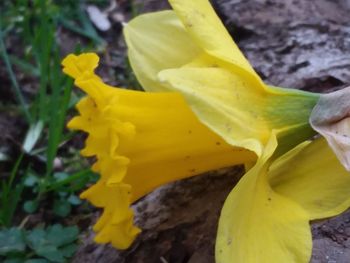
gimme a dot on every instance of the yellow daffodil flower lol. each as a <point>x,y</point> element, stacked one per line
<point>141,141</point>
<point>207,109</point>
<point>188,50</point>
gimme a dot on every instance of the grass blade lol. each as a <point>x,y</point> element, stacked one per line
<point>13,79</point>
<point>71,178</point>
<point>10,196</point>
<point>59,104</point>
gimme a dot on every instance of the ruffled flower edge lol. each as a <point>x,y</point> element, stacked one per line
<point>104,131</point>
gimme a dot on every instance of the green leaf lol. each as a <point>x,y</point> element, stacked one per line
<point>38,241</point>
<point>11,241</point>
<point>50,252</point>
<point>60,176</point>
<point>74,200</point>
<point>35,237</point>
<point>69,250</point>
<point>61,208</point>
<point>61,236</point>
<point>77,180</point>
<point>54,243</point>
<point>30,206</point>
<point>32,136</point>
<point>31,180</point>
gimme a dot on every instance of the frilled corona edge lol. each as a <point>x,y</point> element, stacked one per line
<point>141,141</point>
<point>105,130</point>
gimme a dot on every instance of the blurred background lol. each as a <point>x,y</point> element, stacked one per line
<point>291,43</point>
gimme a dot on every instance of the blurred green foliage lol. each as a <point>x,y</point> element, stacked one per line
<point>32,25</point>
<point>53,244</point>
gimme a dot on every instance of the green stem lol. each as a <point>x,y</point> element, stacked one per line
<point>69,179</point>
<point>14,171</point>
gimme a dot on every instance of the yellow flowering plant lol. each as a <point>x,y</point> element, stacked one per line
<point>206,108</point>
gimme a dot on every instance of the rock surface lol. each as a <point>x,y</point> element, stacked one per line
<point>293,43</point>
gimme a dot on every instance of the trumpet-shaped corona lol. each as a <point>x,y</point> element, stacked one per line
<point>141,141</point>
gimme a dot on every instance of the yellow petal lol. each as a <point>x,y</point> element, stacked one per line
<point>243,115</point>
<point>197,57</point>
<point>160,40</point>
<point>76,67</point>
<point>141,141</point>
<point>157,41</point>
<point>209,33</point>
<point>312,176</point>
<point>259,225</point>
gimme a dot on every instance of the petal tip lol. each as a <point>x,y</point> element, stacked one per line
<point>76,66</point>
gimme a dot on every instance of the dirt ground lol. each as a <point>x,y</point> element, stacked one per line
<point>291,43</point>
